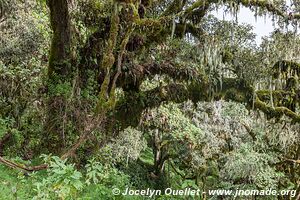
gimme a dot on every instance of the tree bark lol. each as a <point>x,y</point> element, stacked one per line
<point>59,76</point>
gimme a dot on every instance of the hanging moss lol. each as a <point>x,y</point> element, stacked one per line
<point>284,67</point>
<point>291,84</point>
<point>268,5</point>
<point>227,56</point>
<point>197,32</point>
<point>129,12</point>
<point>281,98</point>
<point>154,30</point>
<point>150,25</point>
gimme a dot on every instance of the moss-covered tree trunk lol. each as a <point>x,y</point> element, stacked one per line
<point>59,76</point>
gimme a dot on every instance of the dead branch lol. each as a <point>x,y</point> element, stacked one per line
<point>89,128</point>
<point>21,167</point>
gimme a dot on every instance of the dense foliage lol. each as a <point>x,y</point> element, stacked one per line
<point>100,95</point>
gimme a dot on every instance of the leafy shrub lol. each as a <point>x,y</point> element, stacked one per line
<point>128,145</point>
<point>62,181</point>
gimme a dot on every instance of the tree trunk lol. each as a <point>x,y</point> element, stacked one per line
<point>59,76</point>
<point>159,154</point>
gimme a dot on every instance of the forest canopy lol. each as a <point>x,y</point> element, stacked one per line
<point>97,95</point>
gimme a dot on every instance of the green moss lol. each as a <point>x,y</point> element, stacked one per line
<point>277,94</point>
<point>114,29</point>
<point>197,4</point>
<point>227,56</point>
<point>104,102</point>
<point>284,67</point>
<point>276,112</point>
<point>284,98</point>
<point>150,25</point>
<point>263,4</point>
<point>108,60</point>
<point>291,84</point>
<point>268,110</point>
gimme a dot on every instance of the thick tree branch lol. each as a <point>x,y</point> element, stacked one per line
<point>232,89</point>
<point>130,80</point>
<point>14,165</point>
<point>135,103</point>
<point>264,4</point>
<point>276,112</point>
<point>268,5</point>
